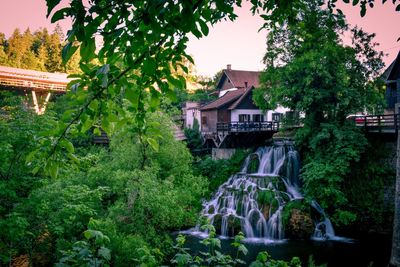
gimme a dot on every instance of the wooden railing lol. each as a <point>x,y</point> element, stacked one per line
<point>248,126</point>
<point>47,86</point>
<point>378,123</point>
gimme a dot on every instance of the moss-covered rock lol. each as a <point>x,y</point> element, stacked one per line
<point>253,164</point>
<point>265,197</point>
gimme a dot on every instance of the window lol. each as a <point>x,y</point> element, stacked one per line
<point>258,118</point>
<point>244,117</point>
<point>276,116</point>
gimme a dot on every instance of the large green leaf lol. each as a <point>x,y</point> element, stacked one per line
<point>51,4</point>
<point>68,51</point>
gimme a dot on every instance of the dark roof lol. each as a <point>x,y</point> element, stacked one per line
<point>393,71</point>
<point>227,98</point>
<point>386,73</point>
<point>243,96</point>
<point>238,78</point>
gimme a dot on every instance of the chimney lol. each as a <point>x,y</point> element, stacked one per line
<point>229,67</point>
<point>245,84</point>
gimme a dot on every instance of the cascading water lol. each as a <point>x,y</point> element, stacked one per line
<point>253,200</point>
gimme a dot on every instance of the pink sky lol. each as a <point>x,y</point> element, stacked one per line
<point>237,43</point>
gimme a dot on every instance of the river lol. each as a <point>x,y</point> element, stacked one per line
<point>372,250</point>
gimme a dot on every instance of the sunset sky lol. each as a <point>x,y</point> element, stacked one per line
<point>238,43</point>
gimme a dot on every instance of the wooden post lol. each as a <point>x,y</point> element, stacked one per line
<point>46,101</point>
<point>379,123</point>
<point>35,102</point>
<point>365,123</point>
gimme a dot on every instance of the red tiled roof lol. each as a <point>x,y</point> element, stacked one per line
<point>243,96</point>
<point>239,78</point>
<point>228,98</point>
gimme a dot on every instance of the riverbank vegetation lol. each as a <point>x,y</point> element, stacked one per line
<point>311,71</point>
<point>135,194</point>
<point>117,207</point>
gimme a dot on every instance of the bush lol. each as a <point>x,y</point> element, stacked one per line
<point>218,171</point>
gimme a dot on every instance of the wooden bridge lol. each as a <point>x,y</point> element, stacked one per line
<point>383,124</point>
<point>40,85</point>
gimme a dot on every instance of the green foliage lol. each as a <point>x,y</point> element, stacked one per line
<point>202,95</point>
<point>366,188</point>
<point>310,71</point>
<point>264,259</point>
<point>291,205</point>
<point>89,252</point>
<point>213,255</point>
<point>332,153</point>
<point>19,129</point>
<point>141,58</point>
<point>136,191</point>
<point>193,136</point>
<point>218,171</point>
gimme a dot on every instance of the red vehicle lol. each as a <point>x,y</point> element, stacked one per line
<point>358,119</point>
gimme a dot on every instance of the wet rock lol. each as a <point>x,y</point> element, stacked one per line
<point>234,225</point>
<point>265,211</point>
<point>217,222</point>
<point>211,209</point>
<point>300,225</point>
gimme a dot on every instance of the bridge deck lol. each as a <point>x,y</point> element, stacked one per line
<point>33,80</point>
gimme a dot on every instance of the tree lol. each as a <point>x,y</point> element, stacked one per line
<point>54,46</point>
<point>3,55</point>
<point>140,41</point>
<point>310,71</point>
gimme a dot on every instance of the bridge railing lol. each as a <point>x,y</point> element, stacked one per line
<point>378,123</point>
<point>58,87</point>
<point>248,126</point>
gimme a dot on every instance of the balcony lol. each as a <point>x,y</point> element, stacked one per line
<point>265,126</point>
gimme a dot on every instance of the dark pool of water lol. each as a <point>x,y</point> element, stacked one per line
<point>372,250</point>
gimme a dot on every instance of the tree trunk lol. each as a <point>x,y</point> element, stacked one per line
<point>395,257</point>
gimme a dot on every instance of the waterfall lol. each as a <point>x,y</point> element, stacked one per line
<point>252,201</point>
<point>324,228</point>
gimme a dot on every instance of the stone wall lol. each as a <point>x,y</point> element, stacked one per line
<point>222,153</point>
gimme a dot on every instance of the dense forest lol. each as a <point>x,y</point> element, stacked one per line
<point>40,50</point>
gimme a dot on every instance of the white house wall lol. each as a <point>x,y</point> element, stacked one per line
<point>236,112</point>
<point>267,115</point>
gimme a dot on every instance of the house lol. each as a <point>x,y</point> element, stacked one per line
<point>392,81</point>
<point>239,79</point>
<point>234,110</point>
